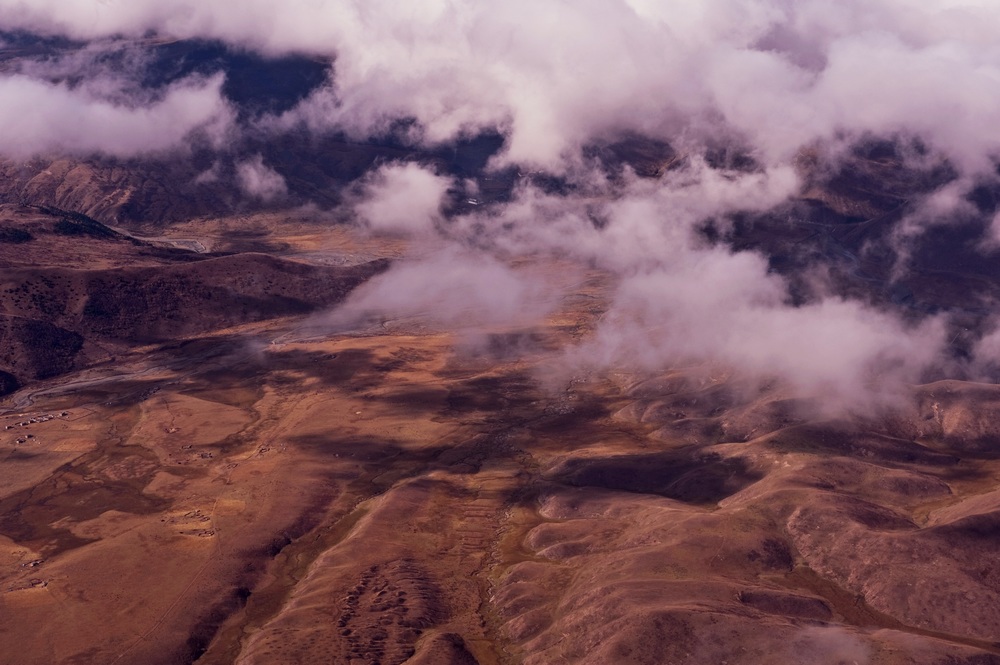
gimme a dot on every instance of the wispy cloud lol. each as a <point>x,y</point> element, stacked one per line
<point>43,117</point>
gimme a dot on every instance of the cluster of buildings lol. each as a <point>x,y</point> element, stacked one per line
<point>34,421</point>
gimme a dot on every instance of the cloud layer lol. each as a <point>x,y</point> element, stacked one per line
<point>775,80</point>
<point>777,75</point>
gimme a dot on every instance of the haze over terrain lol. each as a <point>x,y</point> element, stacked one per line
<point>605,331</point>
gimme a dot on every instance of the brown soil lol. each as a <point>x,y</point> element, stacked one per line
<point>238,491</point>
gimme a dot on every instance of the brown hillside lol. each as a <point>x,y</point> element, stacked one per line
<point>72,280</point>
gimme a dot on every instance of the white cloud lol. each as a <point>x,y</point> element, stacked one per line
<point>725,308</point>
<point>680,300</point>
<point>260,181</point>
<point>39,117</point>
<point>402,198</point>
<point>453,287</point>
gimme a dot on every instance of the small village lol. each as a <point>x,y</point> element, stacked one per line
<point>34,420</point>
